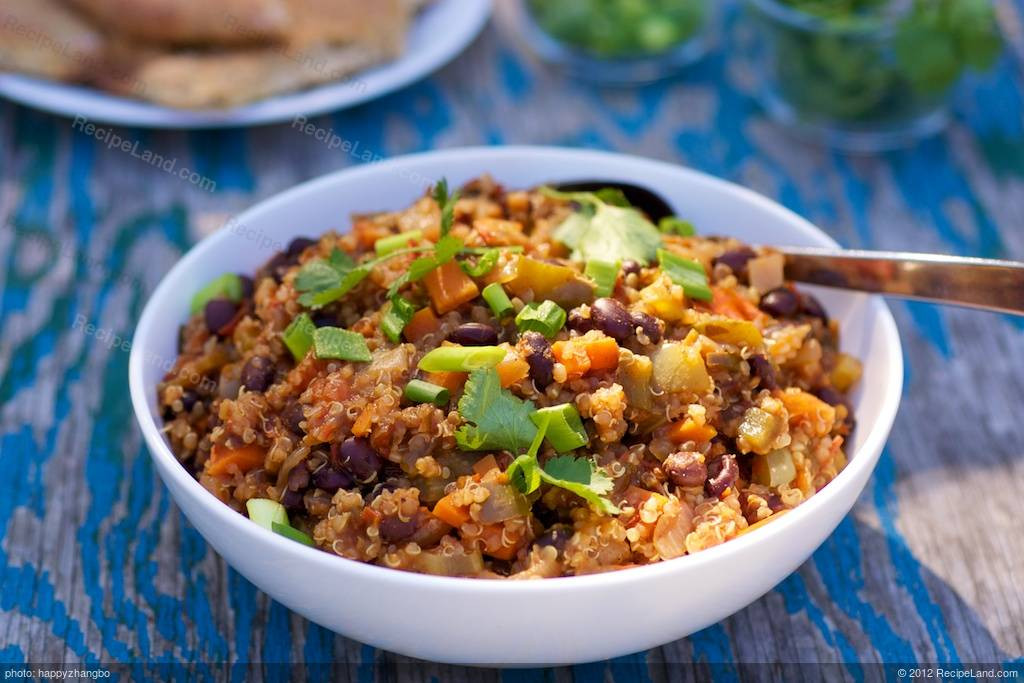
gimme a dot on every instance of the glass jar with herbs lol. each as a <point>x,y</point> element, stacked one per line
<point>620,41</point>
<point>868,74</point>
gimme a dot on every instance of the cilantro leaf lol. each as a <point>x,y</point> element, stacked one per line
<point>447,204</point>
<point>580,476</point>
<point>497,420</point>
<point>584,478</point>
<point>603,231</point>
<point>524,471</point>
<point>322,281</point>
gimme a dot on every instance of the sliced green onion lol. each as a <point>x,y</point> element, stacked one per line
<point>298,336</point>
<point>397,316</point>
<point>604,274</point>
<point>419,391</point>
<point>687,273</point>
<point>546,317</point>
<point>673,225</point>
<point>565,430</point>
<point>266,512</point>
<point>461,358</point>
<point>291,532</point>
<point>337,343</point>
<point>485,264</point>
<point>498,300</point>
<point>386,245</point>
<point>227,286</point>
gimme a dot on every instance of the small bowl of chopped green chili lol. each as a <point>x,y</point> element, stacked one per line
<point>620,41</point>
<point>868,75</point>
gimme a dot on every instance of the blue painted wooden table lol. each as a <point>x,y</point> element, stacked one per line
<point>98,566</point>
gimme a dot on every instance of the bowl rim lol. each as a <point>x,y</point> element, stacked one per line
<point>865,457</point>
<point>877,27</point>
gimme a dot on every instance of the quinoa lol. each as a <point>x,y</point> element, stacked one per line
<point>701,415</point>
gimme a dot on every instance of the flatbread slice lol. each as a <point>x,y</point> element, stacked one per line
<point>191,22</point>
<point>232,78</point>
<point>45,38</point>
<point>379,24</point>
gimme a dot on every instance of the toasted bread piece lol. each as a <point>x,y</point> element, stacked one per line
<point>45,38</point>
<point>191,22</point>
<point>381,24</point>
<point>214,80</point>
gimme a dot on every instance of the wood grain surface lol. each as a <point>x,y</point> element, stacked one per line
<point>98,566</point>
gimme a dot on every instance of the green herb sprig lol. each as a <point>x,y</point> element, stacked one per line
<point>603,229</point>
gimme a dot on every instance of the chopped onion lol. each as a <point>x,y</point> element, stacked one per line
<point>504,503</point>
<point>766,272</point>
<point>670,533</point>
<point>456,564</point>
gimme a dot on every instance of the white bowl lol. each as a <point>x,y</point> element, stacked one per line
<point>550,621</point>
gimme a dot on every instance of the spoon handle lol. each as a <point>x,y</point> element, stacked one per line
<point>973,282</point>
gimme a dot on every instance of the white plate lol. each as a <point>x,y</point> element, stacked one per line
<point>475,621</point>
<point>440,33</point>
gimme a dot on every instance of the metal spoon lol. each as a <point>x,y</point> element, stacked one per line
<point>986,284</point>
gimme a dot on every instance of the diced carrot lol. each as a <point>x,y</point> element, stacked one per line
<point>603,353</point>
<point>688,430</point>
<point>363,423</point>
<point>368,232</point>
<point>450,513</point>
<point>729,303</point>
<point>449,287</point>
<point>805,407</point>
<point>244,458</point>
<point>485,464</point>
<point>573,355</point>
<point>452,381</point>
<point>493,537</point>
<point>422,323</point>
<point>512,369</point>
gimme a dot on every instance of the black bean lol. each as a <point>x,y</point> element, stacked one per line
<point>393,529</point>
<point>218,313</point>
<point>292,416</point>
<point>736,259</point>
<point>722,474</point>
<point>578,322</point>
<point>540,358</point>
<point>765,371</point>
<point>780,303</point>
<point>258,373</point>
<point>474,334</point>
<point>189,398</point>
<point>685,468</point>
<point>299,245</point>
<point>330,479</point>
<point>276,267</point>
<point>298,478</point>
<point>630,267</point>
<point>812,307</point>
<point>292,500</point>
<point>830,396</point>
<point>649,324</point>
<point>612,318</point>
<point>247,286</point>
<point>356,456</point>
<point>556,537</point>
